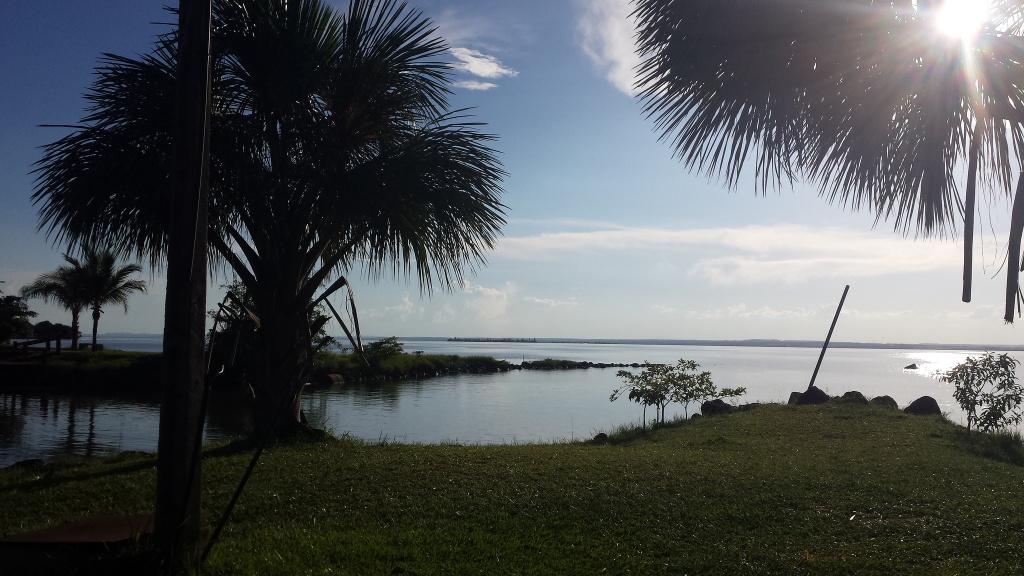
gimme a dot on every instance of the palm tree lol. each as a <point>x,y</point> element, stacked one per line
<point>63,286</point>
<point>861,97</point>
<point>103,282</point>
<point>332,143</point>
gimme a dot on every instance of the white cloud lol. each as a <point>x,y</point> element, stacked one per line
<point>458,29</point>
<point>443,316</point>
<point>607,37</point>
<point>480,64</point>
<point>475,85</point>
<point>883,314</point>
<point>551,303</point>
<point>403,310</point>
<point>782,254</point>
<point>983,312</point>
<point>663,310</point>
<point>741,311</point>
<point>490,303</point>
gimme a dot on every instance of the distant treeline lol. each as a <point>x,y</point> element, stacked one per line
<point>522,340</point>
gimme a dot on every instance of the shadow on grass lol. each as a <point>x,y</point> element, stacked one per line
<point>1005,446</point>
<point>629,433</point>
<point>37,474</point>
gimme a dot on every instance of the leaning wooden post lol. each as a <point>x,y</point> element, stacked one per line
<point>829,337</point>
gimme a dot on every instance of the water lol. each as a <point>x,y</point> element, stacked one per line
<point>519,406</point>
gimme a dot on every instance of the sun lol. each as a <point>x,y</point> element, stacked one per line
<point>962,19</point>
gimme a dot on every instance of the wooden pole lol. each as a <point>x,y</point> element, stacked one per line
<point>177,511</point>
<point>829,337</point>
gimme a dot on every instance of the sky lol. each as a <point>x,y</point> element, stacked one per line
<point>607,236</point>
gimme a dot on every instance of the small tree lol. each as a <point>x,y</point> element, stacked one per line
<point>380,350</point>
<point>689,386</point>
<point>661,384</point>
<point>49,331</point>
<point>14,318</point>
<point>650,388</point>
<point>987,390</point>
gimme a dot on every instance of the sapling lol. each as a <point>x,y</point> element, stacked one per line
<point>659,385</point>
<point>987,390</point>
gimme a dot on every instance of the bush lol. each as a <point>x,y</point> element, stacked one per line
<point>987,390</point>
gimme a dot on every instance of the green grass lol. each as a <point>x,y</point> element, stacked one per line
<point>830,489</point>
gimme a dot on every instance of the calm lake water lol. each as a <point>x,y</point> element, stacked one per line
<point>519,406</point>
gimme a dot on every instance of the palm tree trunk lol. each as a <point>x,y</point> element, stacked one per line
<point>75,327</point>
<point>971,194</point>
<point>177,509</point>
<point>95,324</point>
<point>282,337</point>
<point>1013,250</point>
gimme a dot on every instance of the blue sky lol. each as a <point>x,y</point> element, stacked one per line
<point>608,236</point>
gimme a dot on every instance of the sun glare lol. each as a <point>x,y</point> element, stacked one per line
<point>962,18</point>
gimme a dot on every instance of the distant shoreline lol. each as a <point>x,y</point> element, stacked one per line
<point>749,343</point>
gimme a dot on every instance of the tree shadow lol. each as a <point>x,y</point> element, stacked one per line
<point>1005,446</point>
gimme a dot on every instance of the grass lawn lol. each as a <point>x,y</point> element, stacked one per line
<point>828,489</point>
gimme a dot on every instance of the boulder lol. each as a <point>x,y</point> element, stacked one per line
<point>794,397</point>
<point>910,367</point>
<point>750,406</point>
<point>853,397</point>
<point>813,395</point>
<point>600,438</point>
<point>923,406</point>
<point>30,463</point>
<point>715,407</point>
<point>328,379</point>
<point>886,401</point>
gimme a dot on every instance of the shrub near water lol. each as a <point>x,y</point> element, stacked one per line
<point>98,371</point>
<point>404,365</point>
<point>987,390</point>
<point>827,489</point>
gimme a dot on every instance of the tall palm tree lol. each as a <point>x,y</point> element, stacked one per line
<point>104,282</point>
<point>863,98</point>
<point>64,286</point>
<point>332,143</point>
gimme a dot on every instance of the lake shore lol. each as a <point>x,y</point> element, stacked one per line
<point>775,490</point>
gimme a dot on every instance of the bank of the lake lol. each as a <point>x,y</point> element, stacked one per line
<point>777,490</point>
<point>477,408</point>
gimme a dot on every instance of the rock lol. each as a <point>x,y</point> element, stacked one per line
<point>794,397</point>
<point>853,397</point>
<point>328,379</point>
<point>715,407</point>
<point>695,416</point>
<point>750,406</point>
<point>30,463</point>
<point>886,401</point>
<point>923,406</point>
<point>910,367</point>
<point>813,395</point>
<point>601,438</point>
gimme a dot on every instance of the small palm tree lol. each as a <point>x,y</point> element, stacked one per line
<point>333,145</point>
<point>63,286</point>
<point>103,282</point>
